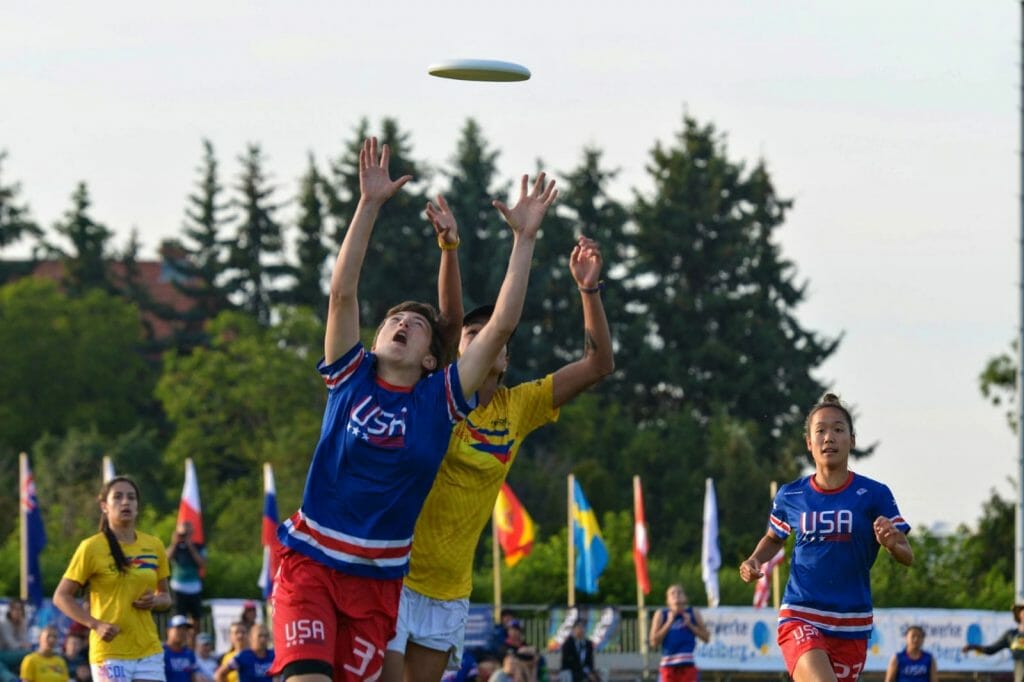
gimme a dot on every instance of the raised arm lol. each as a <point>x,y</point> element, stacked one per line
<point>524,219</point>
<point>769,546</point>
<point>597,361</point>
<point>449,278</point>
<point>375,188</point>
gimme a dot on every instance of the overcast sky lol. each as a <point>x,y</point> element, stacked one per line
<point>893,125</point>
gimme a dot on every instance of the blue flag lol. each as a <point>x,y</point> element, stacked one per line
<point>591,554</point>
<point>34,538</point>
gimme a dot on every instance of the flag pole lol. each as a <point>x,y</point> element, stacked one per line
<point>776,596</point>
<point>496,558</point>
<point>571,545</point>
<point>641,611</point>
<point>23,515</point>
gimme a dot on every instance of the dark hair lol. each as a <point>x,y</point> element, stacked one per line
<point>915,627</point>
<point>433,319</point>
<point>829,400</point>
<point>120,560</point>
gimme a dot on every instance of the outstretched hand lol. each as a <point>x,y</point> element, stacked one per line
<point>440,216</point>
<point>375,183</point>
<point>585,263</point>
<point>525,217</point>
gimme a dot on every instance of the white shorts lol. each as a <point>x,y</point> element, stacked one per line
<point>128,669</point>
<point>430,623</point>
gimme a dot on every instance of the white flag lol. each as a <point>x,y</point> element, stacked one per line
<point>108,469</point>
<point>710,557</point>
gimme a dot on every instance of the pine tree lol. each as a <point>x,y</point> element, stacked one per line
<point>199,261</point>
<point>257,253</point>
<point>486,240</point>
<point>85,265</point>
<point>398,265</point>
<point>15,222</point>
<point>311,249</point>
<point>719,298</point>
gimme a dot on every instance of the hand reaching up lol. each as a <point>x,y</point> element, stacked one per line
<point>440,216</point>
<point>525,217</point>
<point>375,183</point>
<point>585,263</point>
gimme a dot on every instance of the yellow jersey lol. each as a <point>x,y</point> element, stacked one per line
<point>112,592</point>
<point>232,675</point>
<point>38,668</point>
<point>481,450</point>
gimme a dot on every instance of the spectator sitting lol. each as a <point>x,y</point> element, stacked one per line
<point>578,656</point>
<point>252,664</point>
<point>248,617</point>
<point>239,640</point>
<point>45,665</point>
<point>206,660</point>
<point>179,659</point>
<point>76,653</point>
<point>14,640</point>
<point>500,632</point>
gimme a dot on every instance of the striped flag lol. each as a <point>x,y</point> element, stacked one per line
<point>710,557</point>
<point>763,588</point>
<point>269,535</point>
<point>640,546</point>
<point>591,553</point>
<point>514,527</point>
<point>189,509</point>
<point>33,536</point>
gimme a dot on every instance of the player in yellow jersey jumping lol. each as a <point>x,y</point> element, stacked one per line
<point>435,597</point>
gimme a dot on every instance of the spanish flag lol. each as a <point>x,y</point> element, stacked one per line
<point>514,527</point>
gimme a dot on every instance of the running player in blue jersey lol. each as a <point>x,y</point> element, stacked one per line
<point>839,520</point>
<point>386,427</point>
<point>913,664</point>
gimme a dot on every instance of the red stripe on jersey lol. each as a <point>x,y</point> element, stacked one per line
<point>345,372</point>
<point>825,619</point>
<point>338,545</point>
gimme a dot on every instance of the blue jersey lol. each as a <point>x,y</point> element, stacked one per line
<point>179,665</point>
<point>380,448</point>
<point>677,647</point>
<point>252,668</point>
<point>909,669</point>
<point>830,577</point>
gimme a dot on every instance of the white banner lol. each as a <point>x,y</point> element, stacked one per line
<point>743,638</point>
<point>224,612</point>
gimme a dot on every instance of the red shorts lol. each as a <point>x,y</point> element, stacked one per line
<point>796,638</point>
<point>321,614</point>
<point>678,673</point>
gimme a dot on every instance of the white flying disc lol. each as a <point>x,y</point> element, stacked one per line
<point>479,70</point>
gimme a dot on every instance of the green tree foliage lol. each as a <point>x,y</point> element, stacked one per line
<point>80,368</point>
<point>201,256</point>
<point>253,396</point>
<point>312,251</point>
<point>998,383</point>
<point>257,253</point>
<point>395,268</point>
<point>472,186</point>
<point>15,219</point>
<point>718,298</point>
<point>86,264</point>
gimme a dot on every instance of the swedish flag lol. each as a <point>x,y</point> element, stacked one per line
<point>591,554</point>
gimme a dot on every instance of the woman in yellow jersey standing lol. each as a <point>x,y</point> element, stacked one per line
<point>434,602</point>
<point>126,571</point>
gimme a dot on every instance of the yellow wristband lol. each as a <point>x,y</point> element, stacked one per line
<point>445,246</point>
